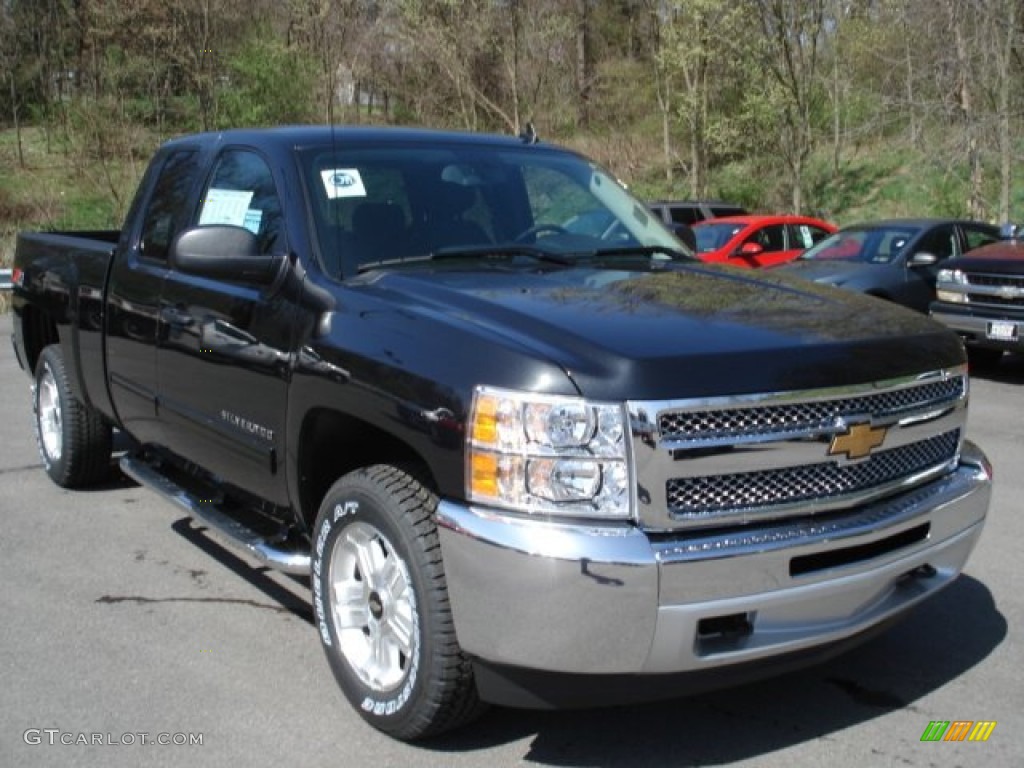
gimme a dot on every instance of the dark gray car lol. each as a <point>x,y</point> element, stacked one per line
<point>897,259</point>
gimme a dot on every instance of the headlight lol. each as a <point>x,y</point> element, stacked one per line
<point>546,454</point>
<point>951,286</point>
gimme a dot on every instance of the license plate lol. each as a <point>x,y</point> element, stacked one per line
<point>1002,331</point>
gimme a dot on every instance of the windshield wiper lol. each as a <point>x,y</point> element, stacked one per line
<point>484,252</point>
<point>505,252</point>
<point>674,254</point>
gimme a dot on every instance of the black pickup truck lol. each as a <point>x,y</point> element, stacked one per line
<point>520,462</point>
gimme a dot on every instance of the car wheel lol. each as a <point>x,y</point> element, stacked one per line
<point>381,605</point>
<point>74,441</point>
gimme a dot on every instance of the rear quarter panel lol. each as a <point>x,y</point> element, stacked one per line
<point>63,276</point>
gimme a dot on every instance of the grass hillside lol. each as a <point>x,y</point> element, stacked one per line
<point>59,187</point>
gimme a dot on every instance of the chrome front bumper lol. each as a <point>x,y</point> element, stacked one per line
<point>609,599</point>
<point>975,328</point>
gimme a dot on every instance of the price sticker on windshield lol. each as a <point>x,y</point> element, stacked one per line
<point>1002,331</point>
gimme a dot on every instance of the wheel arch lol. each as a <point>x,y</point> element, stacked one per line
<point>332,443</point>
<point>38,331</point>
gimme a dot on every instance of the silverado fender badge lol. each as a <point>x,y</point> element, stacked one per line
<point>247,426</point>
<point>858,441</point>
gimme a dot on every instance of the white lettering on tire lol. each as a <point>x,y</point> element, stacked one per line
<point>349,508</point>
<point>318,598</point>
<point>340,511</point>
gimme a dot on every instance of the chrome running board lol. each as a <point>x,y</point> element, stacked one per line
<point>226,529</point>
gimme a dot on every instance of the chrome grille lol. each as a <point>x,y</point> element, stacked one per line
<point>716,424</point>
<point>991,286</point>
<point>995,301</point>
<point>702,497</point>
<point>752,459</point>
<point>978,278</point>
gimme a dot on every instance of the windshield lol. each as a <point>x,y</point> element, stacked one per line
<point>382,204</point>
<point>713,236</point>
<point>875,245</point>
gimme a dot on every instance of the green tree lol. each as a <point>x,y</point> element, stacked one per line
<point>267,83</point>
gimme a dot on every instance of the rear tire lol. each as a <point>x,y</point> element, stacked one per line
<point>381,605</point>
<point>74,441</point>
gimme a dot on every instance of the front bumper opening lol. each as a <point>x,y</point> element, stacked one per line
<point>717,634</point>
<point>835,558</point>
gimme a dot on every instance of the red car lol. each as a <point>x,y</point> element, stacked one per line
<point>758,241</point>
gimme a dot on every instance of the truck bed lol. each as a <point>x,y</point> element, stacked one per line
<point>64,273</point>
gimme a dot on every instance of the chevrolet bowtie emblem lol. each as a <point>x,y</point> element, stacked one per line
<point>857,441</point>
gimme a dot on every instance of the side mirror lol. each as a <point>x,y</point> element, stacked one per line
<point>224,252</point>
<point>749,249</point>
<point>923,259</point>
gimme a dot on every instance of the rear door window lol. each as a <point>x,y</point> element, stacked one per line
<point>805,235</point>
<point>976,237</point>
<point>168,208</point>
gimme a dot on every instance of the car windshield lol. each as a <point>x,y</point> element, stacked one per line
<point>396,204</point>
<point>874,245</point>
<point>714,235</point>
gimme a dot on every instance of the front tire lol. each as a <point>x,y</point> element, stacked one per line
<point>74,441</point>
<point>381,605</point>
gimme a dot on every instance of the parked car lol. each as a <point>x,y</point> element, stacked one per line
<point>897,260</point>
<point>981,297</point>
<point>692,212</point>
<point>758,241</point>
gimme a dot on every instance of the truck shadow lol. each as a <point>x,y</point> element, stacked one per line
<point>266,580</point>
<point>1009,370</point>
<point>891,672</point>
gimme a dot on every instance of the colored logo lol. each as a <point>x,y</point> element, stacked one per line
<point>857,441</point>
<point>342,180</point>
<point>958,730</point>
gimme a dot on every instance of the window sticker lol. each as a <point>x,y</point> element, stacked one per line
<point>343,182</point>
<point>225,206</point>
<point>253,219</point>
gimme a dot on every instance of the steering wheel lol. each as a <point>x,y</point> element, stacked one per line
<point>531,233</point>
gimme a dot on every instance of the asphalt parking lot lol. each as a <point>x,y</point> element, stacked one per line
<point>118,618</point>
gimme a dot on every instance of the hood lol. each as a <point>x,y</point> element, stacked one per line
<point>686,331</point>
<point>1007,255</point>
<point>829,271</point>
